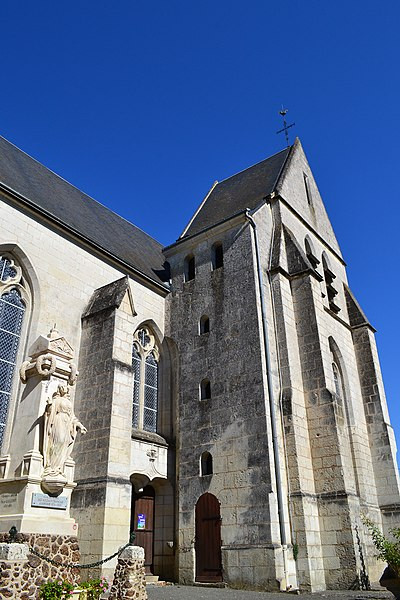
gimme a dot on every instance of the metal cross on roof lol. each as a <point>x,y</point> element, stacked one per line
<point>285,125</point>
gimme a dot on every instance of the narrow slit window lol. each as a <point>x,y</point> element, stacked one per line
<point>217,256</point>
<point>190,268</point>
<point>206,464</point>
<point>308,189</point>
<point>204,324</point>
<point>205,390</point>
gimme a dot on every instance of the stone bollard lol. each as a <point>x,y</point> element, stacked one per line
<point>129,577</point>
<point>13,557</point>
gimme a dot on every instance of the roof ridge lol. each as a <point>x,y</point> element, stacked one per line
<point>79,190</point>
<point>283,167</point>
<point>254,165</point>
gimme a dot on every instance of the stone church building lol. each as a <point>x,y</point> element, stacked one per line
<point>221,397</point>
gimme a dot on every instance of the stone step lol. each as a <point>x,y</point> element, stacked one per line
<point>214,584</point>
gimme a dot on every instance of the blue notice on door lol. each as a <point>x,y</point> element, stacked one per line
<point>141,521</point>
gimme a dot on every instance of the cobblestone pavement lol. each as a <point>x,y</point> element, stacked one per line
<point>180,592</point>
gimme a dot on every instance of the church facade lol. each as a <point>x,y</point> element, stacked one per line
<point>220,397</point>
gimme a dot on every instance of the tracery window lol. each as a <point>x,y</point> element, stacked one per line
<point>145,359</point>
<point>12,310</point>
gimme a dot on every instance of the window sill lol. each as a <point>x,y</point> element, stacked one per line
<point>148,436</point>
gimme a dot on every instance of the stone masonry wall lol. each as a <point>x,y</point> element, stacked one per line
<point>339,432</point>
<point>22,580</point>
<point>233,424</point>
<point>94,400</point>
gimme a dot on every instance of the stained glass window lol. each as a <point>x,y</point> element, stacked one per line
<point>136,364</point>
<point>12,311</point>
<point>150,394</point>
<point>7,271</point>
<point>144,338</point>
<point>145,381</point>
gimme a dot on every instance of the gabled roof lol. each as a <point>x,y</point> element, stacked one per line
<point>243,190</point>
<point>107,297</point>
<point>59,200</point>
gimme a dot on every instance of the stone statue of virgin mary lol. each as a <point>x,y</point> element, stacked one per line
<point>60,429</point>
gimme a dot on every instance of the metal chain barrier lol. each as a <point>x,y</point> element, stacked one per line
<point>13,538</point>
<point>55,563</point>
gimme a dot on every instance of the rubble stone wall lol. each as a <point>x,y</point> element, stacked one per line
<point>22,579</point>
<point>130,577</point>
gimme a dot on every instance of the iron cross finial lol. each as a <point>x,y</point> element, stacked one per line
<point>285,128</point>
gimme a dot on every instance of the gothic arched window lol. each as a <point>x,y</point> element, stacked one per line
<point>145,358</point>
<point>330,289</point>
<point>12,310</point>
<point>337,378</point>
<point>310,253</point>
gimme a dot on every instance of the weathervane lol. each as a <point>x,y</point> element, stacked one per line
<point>285,125</point>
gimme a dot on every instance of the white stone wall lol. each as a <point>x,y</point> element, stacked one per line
<point>63,274</point>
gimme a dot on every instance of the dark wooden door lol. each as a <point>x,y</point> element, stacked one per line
<point>208,539</point>
<point>143,524</point>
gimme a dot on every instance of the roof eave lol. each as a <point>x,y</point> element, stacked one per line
<point>188,238</point>
<point>52,218</point>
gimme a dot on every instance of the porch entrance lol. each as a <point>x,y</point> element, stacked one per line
<point>208,539</point>
<point>142,523</point>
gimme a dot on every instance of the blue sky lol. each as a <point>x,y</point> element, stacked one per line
<point>144,104</point>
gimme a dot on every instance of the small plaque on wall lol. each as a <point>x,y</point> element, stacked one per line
<point>8,501</point>
<point>45,501</point>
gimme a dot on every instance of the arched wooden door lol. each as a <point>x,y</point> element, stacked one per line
<point>142,523</point>
<point>208,539</point>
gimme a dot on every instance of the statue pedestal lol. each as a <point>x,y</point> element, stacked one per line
<point>25,504</point>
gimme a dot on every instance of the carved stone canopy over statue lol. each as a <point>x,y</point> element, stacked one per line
<point>50,355</point>
<point>60,429</point>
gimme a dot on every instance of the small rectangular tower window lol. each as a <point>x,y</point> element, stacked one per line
<point>217,256</point>
<point>190,268</point>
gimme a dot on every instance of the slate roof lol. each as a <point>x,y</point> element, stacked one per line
<point>52,195</point>
<point>243,190</point>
